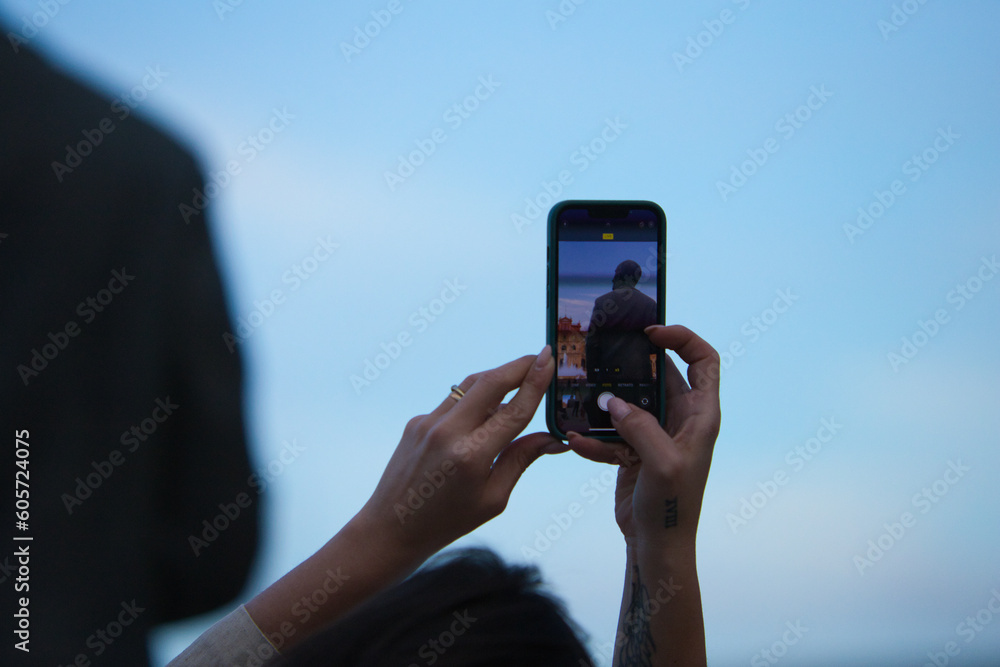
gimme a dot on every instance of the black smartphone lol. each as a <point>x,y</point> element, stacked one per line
<point>606,283</point>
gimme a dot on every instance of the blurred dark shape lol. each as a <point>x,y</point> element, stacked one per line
<point>111,322</point>
<point>466,608</point>
<point>617,348</point>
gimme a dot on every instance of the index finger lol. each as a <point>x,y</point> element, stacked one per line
<point>704,364</point>
<point>483,393</point>
<point>500,373</point>
<point>507,422</point>
<point>490,430</point>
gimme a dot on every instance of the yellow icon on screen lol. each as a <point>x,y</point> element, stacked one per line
<point>608,236</point>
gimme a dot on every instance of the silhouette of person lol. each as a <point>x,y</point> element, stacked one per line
<point>617,348</point>
<point>115,378</point>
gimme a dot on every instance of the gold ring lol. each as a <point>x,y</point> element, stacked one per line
<point>456,393</point>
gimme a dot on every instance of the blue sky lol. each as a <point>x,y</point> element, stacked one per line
<point>591,265</point>
<point>864,338</point>
<point>597,260</point>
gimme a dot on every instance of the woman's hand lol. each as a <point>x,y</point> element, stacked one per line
<point>452,471</point>
<point>663,474</point>
<point>455,468</point>
<point>661,482</point>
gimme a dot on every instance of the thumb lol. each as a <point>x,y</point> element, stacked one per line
<point>638,428</point>
<point>515,459</point>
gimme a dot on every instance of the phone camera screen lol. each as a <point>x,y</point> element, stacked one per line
<point>608,289</point>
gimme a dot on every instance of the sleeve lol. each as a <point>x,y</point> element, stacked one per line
<point>234,640</point>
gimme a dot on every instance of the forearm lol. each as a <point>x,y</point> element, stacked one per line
<point>343,573</point>
<point>661,616</point>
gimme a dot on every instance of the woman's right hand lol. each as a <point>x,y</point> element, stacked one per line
<point>661,481</point>
<point>663,469</point>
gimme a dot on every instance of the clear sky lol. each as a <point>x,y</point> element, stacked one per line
<point>829,172</point>
<point>587,269</point>
<point>597,260</point>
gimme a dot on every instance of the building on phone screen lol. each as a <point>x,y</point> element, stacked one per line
<point>571,346</point>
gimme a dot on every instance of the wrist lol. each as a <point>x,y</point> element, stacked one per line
<point>677,554</point>
<point>357,563</point>
<point>383,547</point>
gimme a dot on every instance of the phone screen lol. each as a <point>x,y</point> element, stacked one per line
<point>606,285</point>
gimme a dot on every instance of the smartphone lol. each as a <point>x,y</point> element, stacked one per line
<point>606,283</point>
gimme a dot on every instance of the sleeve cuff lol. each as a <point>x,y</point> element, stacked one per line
<point>234,641</point>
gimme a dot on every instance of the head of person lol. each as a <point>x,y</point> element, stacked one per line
<point>627,274</point>
<point>467,608</point>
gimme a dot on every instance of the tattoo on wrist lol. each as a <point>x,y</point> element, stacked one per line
<point>671,517</point>
<point>637,646</point>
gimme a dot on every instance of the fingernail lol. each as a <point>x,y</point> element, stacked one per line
<point>653,327</point>
<point>618,408</point>
<point>543,358</point>
<point>555,447</point>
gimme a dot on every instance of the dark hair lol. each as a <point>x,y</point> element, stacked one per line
<point>467,608</point>
<point>627,274</point>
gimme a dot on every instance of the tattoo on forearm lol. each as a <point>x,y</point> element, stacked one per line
<point>637,646</point>
<point>671,519</point>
